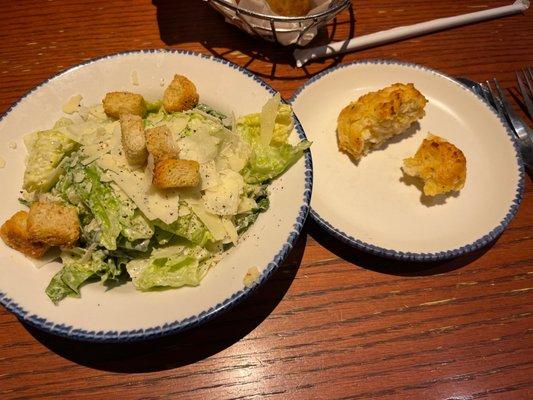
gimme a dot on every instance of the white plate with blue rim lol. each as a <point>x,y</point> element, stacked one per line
<point>123,313</point>
<point>368,206</point>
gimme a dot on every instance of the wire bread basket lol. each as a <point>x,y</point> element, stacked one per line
<point>277,28</point>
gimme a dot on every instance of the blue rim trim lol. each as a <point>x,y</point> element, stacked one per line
<point>423,257</point>
<point>190,322</point>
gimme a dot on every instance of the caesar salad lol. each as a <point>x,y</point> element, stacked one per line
<point>149,192</point>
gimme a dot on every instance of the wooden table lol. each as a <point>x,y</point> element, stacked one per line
<point>332,322</point>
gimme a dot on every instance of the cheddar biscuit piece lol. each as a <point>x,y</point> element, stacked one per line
<point>378,116</point>
<point>440,164</point>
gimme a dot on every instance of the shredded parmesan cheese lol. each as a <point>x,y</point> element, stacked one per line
<point>73,104</point>
<point>251,277</point>
<point>134,78</point>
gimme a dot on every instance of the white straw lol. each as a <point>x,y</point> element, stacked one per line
<point>303,56</point>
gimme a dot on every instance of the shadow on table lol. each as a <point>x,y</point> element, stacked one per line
<point>386,265</point>
<point>187,347</point>
<point>182,22</point>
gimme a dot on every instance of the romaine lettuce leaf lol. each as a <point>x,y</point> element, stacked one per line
<point>208,110</point>
<point>83,187</point>
<point>244,221</point>
<point>173,266</point>
<point>155,118</point>
<point>104,205</point>
<point>249,126</point>
<point>188,227</point>
<point>46,149</point>
<point>268,162</point>
<point>57,290</point>
<point>80,266</point>
<point>153,107</point>
<point>136,226</point>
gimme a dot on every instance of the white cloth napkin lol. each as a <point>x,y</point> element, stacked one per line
<point>303,56</point>
<point>261,6</point>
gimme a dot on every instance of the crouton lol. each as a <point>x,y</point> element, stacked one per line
<point>180,95</point>
<point>53,223</point>
<point>160,143</point>
<point>174,173</point>
<point>440,165</point>
<point>15,234</point>
<point>377,116</point>
<point>133,139</point>
<point>290,8</point>
<point>116,103</point>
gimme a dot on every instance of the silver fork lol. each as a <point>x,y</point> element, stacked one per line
<point>523,132</point>
<point>525,79</point>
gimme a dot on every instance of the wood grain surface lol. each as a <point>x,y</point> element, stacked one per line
<point>332,323</point>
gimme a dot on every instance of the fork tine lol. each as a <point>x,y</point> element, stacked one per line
<point>493,98</point>
<point>529,79</point>
<point>523,132</point>
<point>486,93</point>
<point>521,77</point>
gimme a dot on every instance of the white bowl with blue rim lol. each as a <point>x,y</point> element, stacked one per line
<point>123,313</point>
<point>368,206</point>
